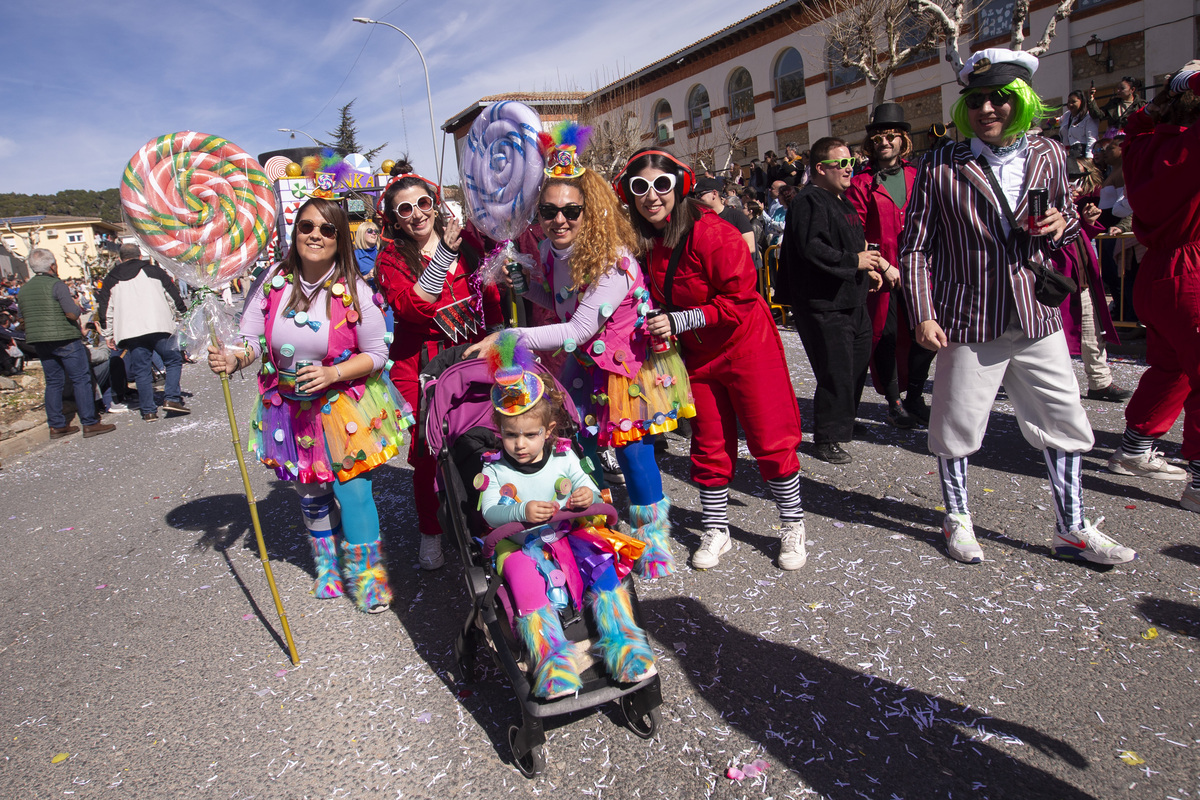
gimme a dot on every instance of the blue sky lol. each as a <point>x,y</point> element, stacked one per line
<point>83,85</point>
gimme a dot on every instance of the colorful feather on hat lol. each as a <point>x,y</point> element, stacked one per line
<point>508,357</point>
<point>571,133</point>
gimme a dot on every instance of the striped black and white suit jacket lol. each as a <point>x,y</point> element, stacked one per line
<point>958,266</point>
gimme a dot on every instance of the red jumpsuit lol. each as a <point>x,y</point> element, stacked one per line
<point>1162,176</point>
<point>736,361</point>
<point>882,222</point>
<point>417,332</point>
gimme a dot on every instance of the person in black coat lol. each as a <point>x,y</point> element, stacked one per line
<point>828,272</point>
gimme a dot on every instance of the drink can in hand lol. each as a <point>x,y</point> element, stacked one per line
<point>1039,201</point>
<point>517,276</point>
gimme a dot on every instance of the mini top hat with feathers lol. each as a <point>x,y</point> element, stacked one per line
<point>517,388</point>
<point>562,147</point>
<point>325,171</point>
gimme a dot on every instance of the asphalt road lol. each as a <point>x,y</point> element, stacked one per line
<point>140,653</point>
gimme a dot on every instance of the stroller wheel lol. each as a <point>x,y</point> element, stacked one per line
<point>643,725</point>
<point>530,764</point>
<point>464,653</point>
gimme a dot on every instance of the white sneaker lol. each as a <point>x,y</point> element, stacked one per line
<point>1150,465</point>
<point>714,544</point>
<point>792,553</point>
<point>960,539</point>
<point>1089,544</point>
<point>431,556</point>
<point>1191,499</point>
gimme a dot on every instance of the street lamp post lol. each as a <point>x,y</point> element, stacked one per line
<point>294,132</point>
<point>428,90</point>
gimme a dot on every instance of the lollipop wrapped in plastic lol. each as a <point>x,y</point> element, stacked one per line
<point>205,209</point>
<point>502,171</point>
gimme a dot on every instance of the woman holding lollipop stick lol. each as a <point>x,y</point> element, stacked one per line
<point>629,388</point>
<point>699,270</point>
<point>427,277</point>
<point>326,416</point>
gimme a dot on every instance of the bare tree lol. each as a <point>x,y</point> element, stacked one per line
<point>905,28</point>
<point>29,238</point>
<point>616,130</point>
<point>732,137</point>
<point>1021,14</point>
<point>949,17</point>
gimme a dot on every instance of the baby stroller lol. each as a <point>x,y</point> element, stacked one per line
<point>456,405</point>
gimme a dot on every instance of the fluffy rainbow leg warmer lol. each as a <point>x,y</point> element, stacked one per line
<point>652,525</point>
<point>366,577</point>
<point>329,580</point>
<point>555,675</point>
<point>627,654</point>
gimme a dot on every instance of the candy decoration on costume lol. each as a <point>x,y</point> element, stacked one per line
<point>517,388</point>
<point>201,203</point>
<point>562,146</point>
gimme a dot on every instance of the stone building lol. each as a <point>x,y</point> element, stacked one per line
<point>768,80</point>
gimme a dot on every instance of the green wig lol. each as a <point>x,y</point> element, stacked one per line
<point>1027,107</point>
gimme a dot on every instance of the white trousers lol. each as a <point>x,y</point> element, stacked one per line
<point>1040,382</point>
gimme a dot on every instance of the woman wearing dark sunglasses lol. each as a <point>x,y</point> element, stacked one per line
<point>328,415</point>
<point>425,275</point>
<point>732,350</point>
<point>627,391</point>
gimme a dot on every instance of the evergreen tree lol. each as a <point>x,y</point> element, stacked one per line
<point>344,139</point>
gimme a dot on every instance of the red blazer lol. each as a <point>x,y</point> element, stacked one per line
<point>882,220</point>
<point>956,264</point>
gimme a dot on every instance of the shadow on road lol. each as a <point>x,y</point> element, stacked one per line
<point>853,735</point>
<point>1178,617</point>
<point>1184,552</point>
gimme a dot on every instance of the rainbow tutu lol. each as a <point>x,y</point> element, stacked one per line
<point>340,434</point>
<point>624,409</point>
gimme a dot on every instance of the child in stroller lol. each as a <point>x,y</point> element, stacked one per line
<point>527,482</point>
<point>460,428</point>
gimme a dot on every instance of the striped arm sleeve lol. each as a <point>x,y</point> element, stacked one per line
<point>433,278</point>
<point>687,320</point>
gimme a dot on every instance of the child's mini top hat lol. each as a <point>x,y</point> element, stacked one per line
<point>562,147</point>
<point>517,388</point>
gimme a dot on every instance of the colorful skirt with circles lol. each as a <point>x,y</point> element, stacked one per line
<point>338,435</point>
<point>619,409</point>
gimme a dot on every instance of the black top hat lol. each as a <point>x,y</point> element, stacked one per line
<point>888,116</point>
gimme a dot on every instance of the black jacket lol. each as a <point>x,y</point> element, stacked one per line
<point>821,242</point>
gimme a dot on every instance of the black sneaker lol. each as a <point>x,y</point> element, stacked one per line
<point>916,408</point>
<point>612,470</point>
<point>152,417</point>
<point>1110,394</point>
<point>176,408</point>
<point>898,417</point>
<point>831,453</point>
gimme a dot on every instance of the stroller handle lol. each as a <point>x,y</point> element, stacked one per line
<point>504,531</point>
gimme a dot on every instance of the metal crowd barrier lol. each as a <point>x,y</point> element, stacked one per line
<point>771,262</point>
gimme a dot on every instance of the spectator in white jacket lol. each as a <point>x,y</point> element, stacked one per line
<point>1078,126</point>
<point>137,302</point>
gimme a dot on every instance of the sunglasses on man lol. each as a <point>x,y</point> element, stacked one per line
<point>840,163</point>
<point>328,229</point>
<point>571,211</point>
<point>880,138</point>
<point>663,184</point>
<point>405,210</point>
<point>997,98</point>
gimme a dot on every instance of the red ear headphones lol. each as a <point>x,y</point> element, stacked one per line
<point>687,181</point>
<point>390,216</point>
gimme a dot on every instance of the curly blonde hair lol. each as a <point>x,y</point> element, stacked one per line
<point>604,232</point>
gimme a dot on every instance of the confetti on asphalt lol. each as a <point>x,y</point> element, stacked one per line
<point>1150,633</point>
<point>59,758</point>
<point>1131,758</point>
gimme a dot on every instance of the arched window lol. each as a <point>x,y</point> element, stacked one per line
<point>698,113</point>
<point>789,76</point>
<point>741,95</point>
<point>839,74</point>
<point>664,126</point>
